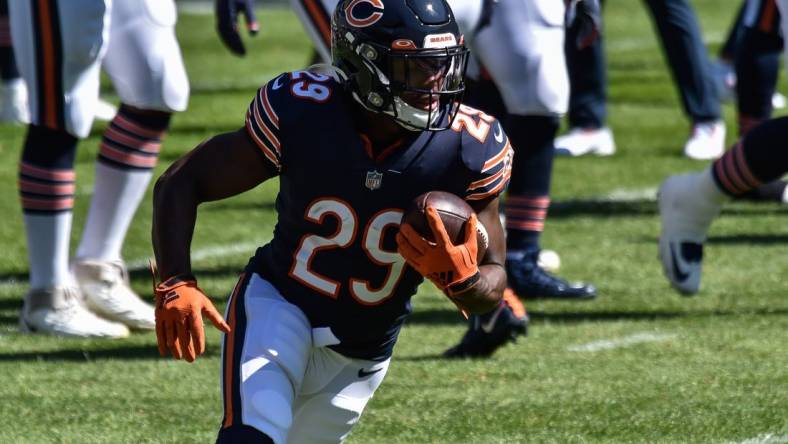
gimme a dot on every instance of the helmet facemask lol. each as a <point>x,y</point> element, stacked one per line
<point>427,86</point>
<point>420,88</point>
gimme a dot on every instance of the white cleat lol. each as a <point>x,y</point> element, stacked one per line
<point>105,285</point>
<point>13,102</point>
<point>707,141</point>
<point>59,311</point>
<point>685,219</point>
<point>582,141</point>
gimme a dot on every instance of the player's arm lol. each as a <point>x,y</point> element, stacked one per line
<point>222,166</point>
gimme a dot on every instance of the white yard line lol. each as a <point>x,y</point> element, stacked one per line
<point>631,195</point>
<point>626,341</point>
<point>765,438</point>
<point>11,284</point>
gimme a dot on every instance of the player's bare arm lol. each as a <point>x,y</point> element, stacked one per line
<point>221,167</point>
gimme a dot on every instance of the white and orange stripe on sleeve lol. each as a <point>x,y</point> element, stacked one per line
<point>495,175</point>
<point>262,124</point>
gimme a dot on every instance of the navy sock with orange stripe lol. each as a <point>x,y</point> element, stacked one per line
<point>757,159</point>
<point>529,189</point>
<point>46,172</point>
<point>46,189</point>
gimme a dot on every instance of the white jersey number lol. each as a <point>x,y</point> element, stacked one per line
<point>308,85</point>
<point>347,226</point>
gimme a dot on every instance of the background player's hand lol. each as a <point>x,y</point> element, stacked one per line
<point>180,305</point>
<point>452,268</point>
<point>585,21</point>
<point>227,22</point>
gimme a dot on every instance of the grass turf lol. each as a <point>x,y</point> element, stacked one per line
<point>716,370</point>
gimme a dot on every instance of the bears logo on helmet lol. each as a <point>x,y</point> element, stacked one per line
<point>374,15</point>
<point>375,43</point>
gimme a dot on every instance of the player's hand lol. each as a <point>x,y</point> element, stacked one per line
<point>585,21</point>
<point>227,22</point>
<point>180,305</point>
<point>452,268</point>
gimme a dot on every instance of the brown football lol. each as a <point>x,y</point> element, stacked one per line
<point>454,213</point>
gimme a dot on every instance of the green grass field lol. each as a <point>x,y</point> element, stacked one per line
<point>709,369</point>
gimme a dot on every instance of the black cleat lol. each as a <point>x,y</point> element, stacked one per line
<point>530,281</point>
<point>487,332</point>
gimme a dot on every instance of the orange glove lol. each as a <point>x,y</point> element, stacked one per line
<point>452,268</point>
<point>180,305</point>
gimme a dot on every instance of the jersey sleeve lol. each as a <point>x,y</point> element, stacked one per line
<point>262,125</point>
<point>490,164</point>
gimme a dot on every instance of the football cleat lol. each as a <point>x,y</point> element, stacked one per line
<point>59,311</point>
<point>105,285</point>
<point>582,141</point>
<point>531,281</point>
<point>488,332</point>
<point>685,218</point>
<point>707,141</point>
<point>13,102</point>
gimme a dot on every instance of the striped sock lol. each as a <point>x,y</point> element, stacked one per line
<point>47,197</point>
<point>129,151</point>
<point>732,174</point>
<point>525,216</point>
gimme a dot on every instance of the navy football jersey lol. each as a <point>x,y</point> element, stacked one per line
<point>333,253</point>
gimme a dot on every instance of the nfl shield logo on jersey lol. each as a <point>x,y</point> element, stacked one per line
<point>374,180</point>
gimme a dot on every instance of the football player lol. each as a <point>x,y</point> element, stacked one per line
<point>313,320</point>
<point>689,203</point>
<point>60,47</point>
<point>520,43</point>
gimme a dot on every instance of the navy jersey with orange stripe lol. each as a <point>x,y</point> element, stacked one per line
<point>333,252</point>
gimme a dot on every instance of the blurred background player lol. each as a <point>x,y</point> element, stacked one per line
<point>520,44</point>
<point>689,203</point>
<point>60,47</point>
<point>682,41</point>
<point>227,13</point>
<point>13,94</point>
<point>747,70</point>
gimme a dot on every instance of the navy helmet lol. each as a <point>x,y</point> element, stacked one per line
<point>404,58</point>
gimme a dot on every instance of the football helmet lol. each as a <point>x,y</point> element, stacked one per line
<point>404,58</point>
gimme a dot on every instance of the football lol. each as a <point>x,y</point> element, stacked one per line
<point>453,211</point>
